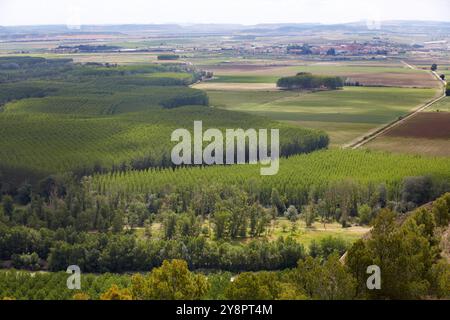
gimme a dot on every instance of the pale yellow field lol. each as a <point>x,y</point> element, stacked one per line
<point>430,147</point>
<point>236,86</point>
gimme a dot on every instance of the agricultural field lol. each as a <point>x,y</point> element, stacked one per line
<point>343,114</point>
<point>370,74</point>
<point>427,133</point>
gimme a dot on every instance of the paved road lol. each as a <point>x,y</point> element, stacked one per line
<point>372,135</point>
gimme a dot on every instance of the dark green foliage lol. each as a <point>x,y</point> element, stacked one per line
<point>168,57</point>
<point>22,285</point>
<point>327,246</point>
<point>308,81</point>
<point>196,97</point>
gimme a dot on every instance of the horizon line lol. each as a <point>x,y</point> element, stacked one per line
<point>183,24</point>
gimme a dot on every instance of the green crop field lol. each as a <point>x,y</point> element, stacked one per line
<point>343,114</point>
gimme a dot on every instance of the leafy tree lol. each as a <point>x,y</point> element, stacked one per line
<point>358,258</point>
<point>276,201</point>
<point>24,194</point>
<point>253,286</point>
<point>8,205</point>
<point>115,293</point>
<point>291,213</point>
<point>404,255</point>
<point>82,296</point>
<point>441,279</point>
<point>117,223</point>
<point>171,281</point>
<point>310,214</point>
<point>314,249</point>
<point>332,245</point>
<point>441,210</point>
<point>365,214</point>
<point>221,224</point>
<point>417,190</point>
<point>328,281</point>
<point>434,67</point>
<point>170,224</point>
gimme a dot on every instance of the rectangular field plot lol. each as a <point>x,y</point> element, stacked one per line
<point>365,73</point>
<point>427,133</point>
<point>343,114</point>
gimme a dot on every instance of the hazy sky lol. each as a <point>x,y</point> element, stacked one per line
<point>77,12</point>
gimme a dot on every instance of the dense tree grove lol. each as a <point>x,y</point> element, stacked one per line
<point>308,81</point>
<point>168,57</point>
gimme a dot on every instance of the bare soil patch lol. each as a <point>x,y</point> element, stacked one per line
<point>428,125</point>
<point>236,86</point>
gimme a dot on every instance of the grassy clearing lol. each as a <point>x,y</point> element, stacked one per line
<point>282,227</point>
<point>318,231</point>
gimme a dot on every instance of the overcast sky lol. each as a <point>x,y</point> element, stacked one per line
<point>78,12</point>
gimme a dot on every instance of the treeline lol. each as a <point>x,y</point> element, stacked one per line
<point>192,97</point>
<point>308,81</point>
<point>106,252</point>
<point>13,69</point>
<point>16,91</point>
<point>168,57</point>
<point>406,250</point>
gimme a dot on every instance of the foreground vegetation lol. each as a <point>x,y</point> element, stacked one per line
<point>407,252</point>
